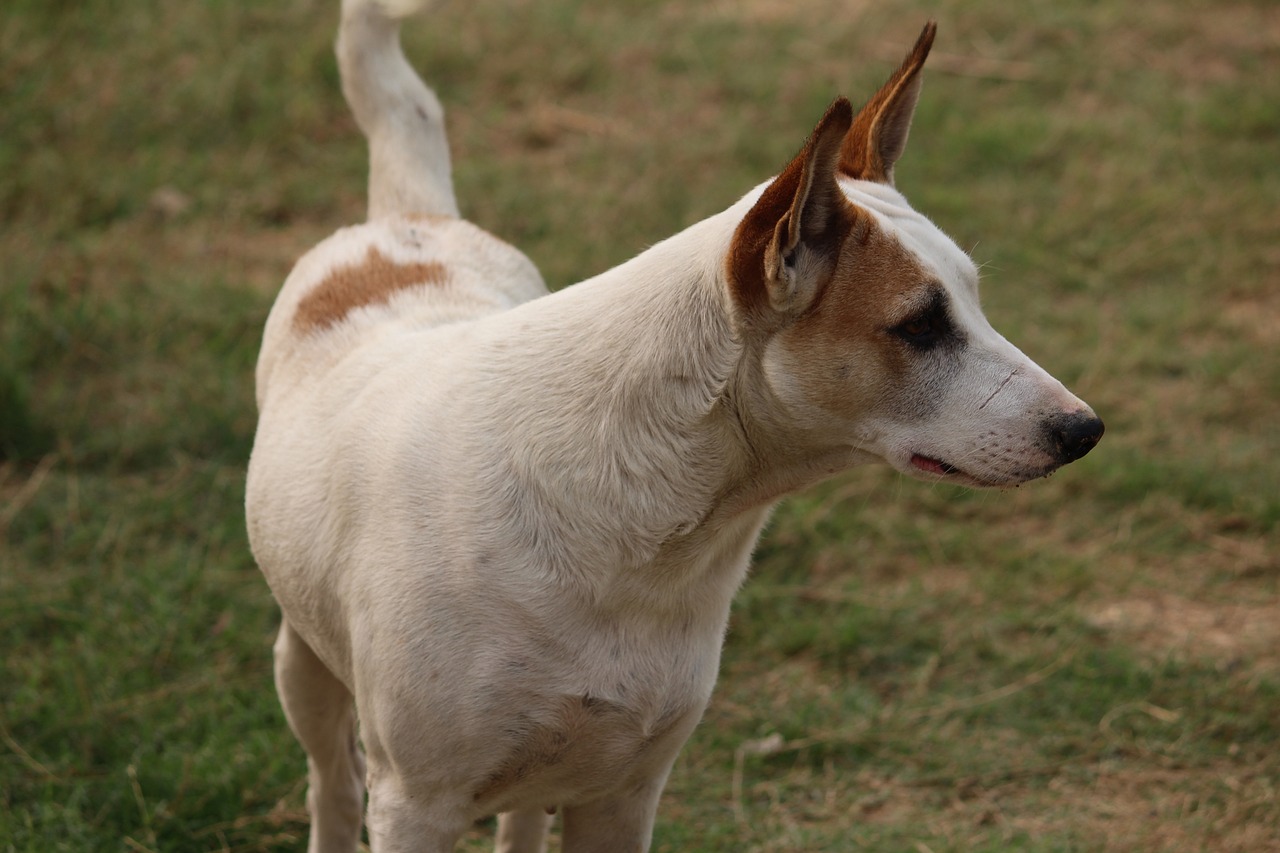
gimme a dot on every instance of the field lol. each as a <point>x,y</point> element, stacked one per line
<point>1087,663</point>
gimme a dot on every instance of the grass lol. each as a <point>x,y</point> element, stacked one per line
<point>1086,663</point>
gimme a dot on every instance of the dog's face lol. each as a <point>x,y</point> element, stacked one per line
<point>873,334</point>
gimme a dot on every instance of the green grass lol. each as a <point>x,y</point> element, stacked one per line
<point>1087,663</point>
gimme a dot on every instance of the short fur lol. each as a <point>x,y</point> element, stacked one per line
<point>504,526</point>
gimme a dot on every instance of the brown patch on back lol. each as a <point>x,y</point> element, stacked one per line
<point>372,281</point>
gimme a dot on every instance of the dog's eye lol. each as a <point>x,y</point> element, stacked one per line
<point>922,330</point>
<point>917,327</point>
<point>929,325</point>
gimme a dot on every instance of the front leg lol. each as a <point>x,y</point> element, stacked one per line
<point>523,831</point>
<point>619,823</point>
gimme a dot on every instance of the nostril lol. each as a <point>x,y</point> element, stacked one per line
<point>1075,435</point>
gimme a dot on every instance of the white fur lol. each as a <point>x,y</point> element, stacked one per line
<point>509,524</point>
<point>1001,390</point>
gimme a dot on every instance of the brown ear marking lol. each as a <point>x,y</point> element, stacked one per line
<point>879,132</point>
<point>372,280</point>
<point>771,220</point>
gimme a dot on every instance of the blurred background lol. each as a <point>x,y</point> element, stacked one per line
<point>1086,663</point>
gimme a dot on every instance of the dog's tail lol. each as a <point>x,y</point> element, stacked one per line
<point>409,170</point>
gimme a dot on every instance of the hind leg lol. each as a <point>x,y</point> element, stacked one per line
<point>523,831</point>
<point>322,715</point>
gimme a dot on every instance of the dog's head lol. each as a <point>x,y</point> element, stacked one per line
<point>866,320</point>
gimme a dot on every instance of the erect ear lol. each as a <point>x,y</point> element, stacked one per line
<point>879,133</point>
<point>786,246</point>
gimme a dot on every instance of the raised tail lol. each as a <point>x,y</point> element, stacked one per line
<point>409,169</point>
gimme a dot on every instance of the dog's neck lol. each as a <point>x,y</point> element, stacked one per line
<point>649,422</point>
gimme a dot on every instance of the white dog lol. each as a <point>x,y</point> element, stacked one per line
<point>504,527</point>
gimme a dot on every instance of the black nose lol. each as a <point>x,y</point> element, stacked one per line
<point>1072,436</point>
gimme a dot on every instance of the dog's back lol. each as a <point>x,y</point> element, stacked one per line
<point>403,273</point>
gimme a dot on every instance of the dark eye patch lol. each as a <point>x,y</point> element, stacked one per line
<point>928,326</point>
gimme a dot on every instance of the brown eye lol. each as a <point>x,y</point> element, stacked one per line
<point>917,327</point>
<point>929,326</point>
<point>923,331</point>
<point>920,331</point>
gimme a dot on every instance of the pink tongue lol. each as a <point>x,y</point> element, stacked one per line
<point>924,463</point>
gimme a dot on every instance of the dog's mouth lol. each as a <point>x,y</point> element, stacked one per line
<point>934,466</point>
<point>939,468</point>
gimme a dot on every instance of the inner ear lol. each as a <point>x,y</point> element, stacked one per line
<point>879,132</point>
<point>818,200</point>
<point>798,221</point>
<point>806,242</point>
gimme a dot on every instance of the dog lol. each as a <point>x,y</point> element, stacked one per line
<point>504,526</point>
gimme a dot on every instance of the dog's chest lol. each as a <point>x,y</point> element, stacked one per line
<point>575,748</point>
